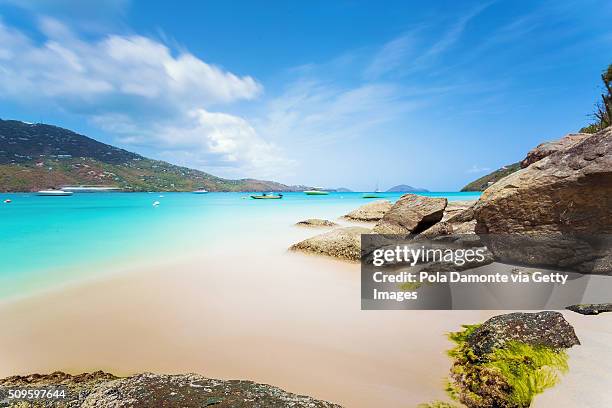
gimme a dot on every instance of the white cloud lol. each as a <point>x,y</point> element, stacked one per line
<point>315,112</point>
<point>204,139</point>
<point>113,66</point>
<point>141,92</point>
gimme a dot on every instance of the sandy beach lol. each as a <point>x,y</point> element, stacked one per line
<point>257,312</point>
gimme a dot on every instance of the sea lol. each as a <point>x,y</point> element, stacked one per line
<point>48,241</point>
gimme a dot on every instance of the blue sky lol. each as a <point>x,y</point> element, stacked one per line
<point>343,93</point>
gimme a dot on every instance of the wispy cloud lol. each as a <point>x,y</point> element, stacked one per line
<point>477,169</point>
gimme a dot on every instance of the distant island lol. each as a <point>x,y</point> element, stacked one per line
<point>39,156</point>
<point>339,190</point>
<point>404,188</point>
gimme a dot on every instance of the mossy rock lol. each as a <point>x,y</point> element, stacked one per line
<point>507,373</point>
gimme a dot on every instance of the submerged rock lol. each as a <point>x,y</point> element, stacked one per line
<point>316,222</point>
<point>411,214</point>
<point>101,390</point>
<point>591,309</point>
<point>556,212</point>
<point>549,329</point>
<point>370,212</point>
<point>342,243</point>
<point>546,149</point>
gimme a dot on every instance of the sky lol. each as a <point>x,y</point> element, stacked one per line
<point>353,94</point>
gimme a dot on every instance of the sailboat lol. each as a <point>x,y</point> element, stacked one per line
<point>375,194</point>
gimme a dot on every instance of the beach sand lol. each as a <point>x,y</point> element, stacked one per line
<point>260,313</point>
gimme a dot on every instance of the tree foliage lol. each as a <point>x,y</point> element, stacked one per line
<point>603,108</point>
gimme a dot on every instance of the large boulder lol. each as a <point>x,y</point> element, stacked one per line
<point>370,212</point>
<point>411,214</point>
<point>549,329</point>
<point>546,149</point>
<point>556,212</point>
<point>100,390</point>
<point>342,243</point>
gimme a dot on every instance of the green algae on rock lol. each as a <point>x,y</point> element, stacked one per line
<point>510,367</point>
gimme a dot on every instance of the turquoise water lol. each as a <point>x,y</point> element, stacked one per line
<point>50,240</point>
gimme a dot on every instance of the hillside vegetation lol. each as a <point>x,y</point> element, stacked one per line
<point>38,156</point>
<point>485,181</point>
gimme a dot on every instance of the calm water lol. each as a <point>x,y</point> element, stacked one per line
<point>50,240</point>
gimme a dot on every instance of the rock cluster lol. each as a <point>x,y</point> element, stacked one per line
<point>102,390</point>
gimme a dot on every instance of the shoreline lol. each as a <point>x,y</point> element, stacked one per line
<point>255,311</point>
<point>227,319</point>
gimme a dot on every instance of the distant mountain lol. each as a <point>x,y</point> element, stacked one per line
<point>485,181</point>
<point>339,190</point>
<point>38,156</point>
<point>404,188</point>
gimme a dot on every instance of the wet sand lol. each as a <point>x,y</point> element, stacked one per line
<point>266,315</point>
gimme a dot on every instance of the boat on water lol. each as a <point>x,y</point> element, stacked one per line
<point>316,191</point>
<point>54,193</point>
<point>200,191</point>
<point>375,194</point>
<point>90,189</point>
<point>267,196</point>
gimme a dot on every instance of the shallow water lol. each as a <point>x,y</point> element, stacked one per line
<point>52,240</point>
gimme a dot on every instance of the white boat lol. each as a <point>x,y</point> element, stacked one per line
<point>90,189</point>
<point>201,191</point>
<point>316,191</point>
<point>54,193</point>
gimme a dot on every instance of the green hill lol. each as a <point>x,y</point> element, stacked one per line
<point>38,156</point>
<point>485,181</point>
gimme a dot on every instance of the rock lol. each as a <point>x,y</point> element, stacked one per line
<point>101,390</point>
<point>548,329</point>
<point>458,219</point>
<point>454,208</point>
<point>411,214</point>
<point>316,222</point>
<point>370,212</point>
<point>449,228</point>
<point>509,359</point>
<point>546,149</point>
<point>591,309</point>
<point>556,212</point>
<point>343,243</point>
